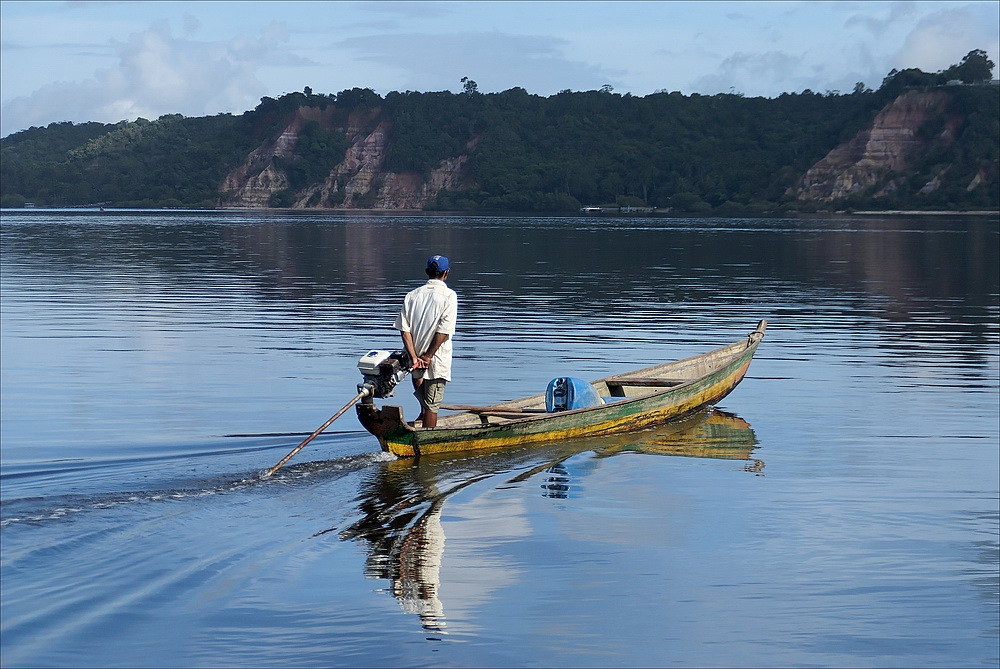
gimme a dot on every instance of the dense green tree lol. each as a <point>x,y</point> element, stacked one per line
<point>364,98</point>
<point>976,66</point>
<point>469,87</point>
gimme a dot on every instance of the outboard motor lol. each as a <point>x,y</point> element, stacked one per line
<point>382,371</point>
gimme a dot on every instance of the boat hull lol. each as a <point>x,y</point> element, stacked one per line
<point>713,376</point>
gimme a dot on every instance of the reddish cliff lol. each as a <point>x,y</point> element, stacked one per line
<point>357,181</point>
<point>886,149</point>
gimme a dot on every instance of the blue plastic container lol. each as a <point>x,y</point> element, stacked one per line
<point>565,393</point>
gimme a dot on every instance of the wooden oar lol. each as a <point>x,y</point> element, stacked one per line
<point>312,436</point>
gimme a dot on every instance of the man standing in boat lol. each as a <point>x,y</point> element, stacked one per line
<point>427,323</point>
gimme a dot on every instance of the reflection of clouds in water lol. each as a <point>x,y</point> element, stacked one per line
<point>472,569</point>
<point>646,516</point>
<point>404,526</point>
<point>470,575</point>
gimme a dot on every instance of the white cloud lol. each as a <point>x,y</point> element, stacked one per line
<point>497,61</point>
<point>156,73</point>
<point>225,56</point>
<point>879,20</point>
<point>862,42</point>
<point>941,39</point>
<point>407,10</point>
<point>191,24</point>
<point>750,73</point>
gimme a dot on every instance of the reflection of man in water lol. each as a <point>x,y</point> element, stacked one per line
<point>426,323</point>
<point>419,578</point>
<point>408,555</point>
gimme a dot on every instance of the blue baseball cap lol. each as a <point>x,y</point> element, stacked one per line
<point>438,263</point>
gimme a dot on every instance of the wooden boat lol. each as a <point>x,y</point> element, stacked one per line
<point>633,401</point>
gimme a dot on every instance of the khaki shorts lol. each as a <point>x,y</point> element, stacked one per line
<point>430,394</point>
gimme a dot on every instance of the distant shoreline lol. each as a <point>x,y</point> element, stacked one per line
<point>423,212</point>
<point>915,212</point>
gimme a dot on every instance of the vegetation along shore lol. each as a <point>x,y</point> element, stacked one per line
<point>921,142</point>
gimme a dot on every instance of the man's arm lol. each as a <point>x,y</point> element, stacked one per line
<point>408,345</point>
<point>439,338</point>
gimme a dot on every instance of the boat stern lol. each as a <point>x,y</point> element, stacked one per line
<point>388,426</point>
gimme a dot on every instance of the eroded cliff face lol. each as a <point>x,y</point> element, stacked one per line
<point>876,155</point>
<point>874,163</point>
<point>358,181</point>
<point>252,183</point>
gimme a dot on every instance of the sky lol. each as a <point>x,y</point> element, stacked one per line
<point>112,61</point>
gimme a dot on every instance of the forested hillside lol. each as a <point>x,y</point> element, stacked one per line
<point>514,151</point>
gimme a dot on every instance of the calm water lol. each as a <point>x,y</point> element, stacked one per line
<point>840,508</point>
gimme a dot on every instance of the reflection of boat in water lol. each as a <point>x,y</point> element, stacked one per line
<point>402,505</point>
<point>617,404</point>
<point>719,435</point>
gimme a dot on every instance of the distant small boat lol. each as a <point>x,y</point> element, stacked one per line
<point>616,404</point>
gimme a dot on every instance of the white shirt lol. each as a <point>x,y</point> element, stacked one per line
<point>428,310</point>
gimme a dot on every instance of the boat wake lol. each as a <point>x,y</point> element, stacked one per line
<point>44,509</point>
